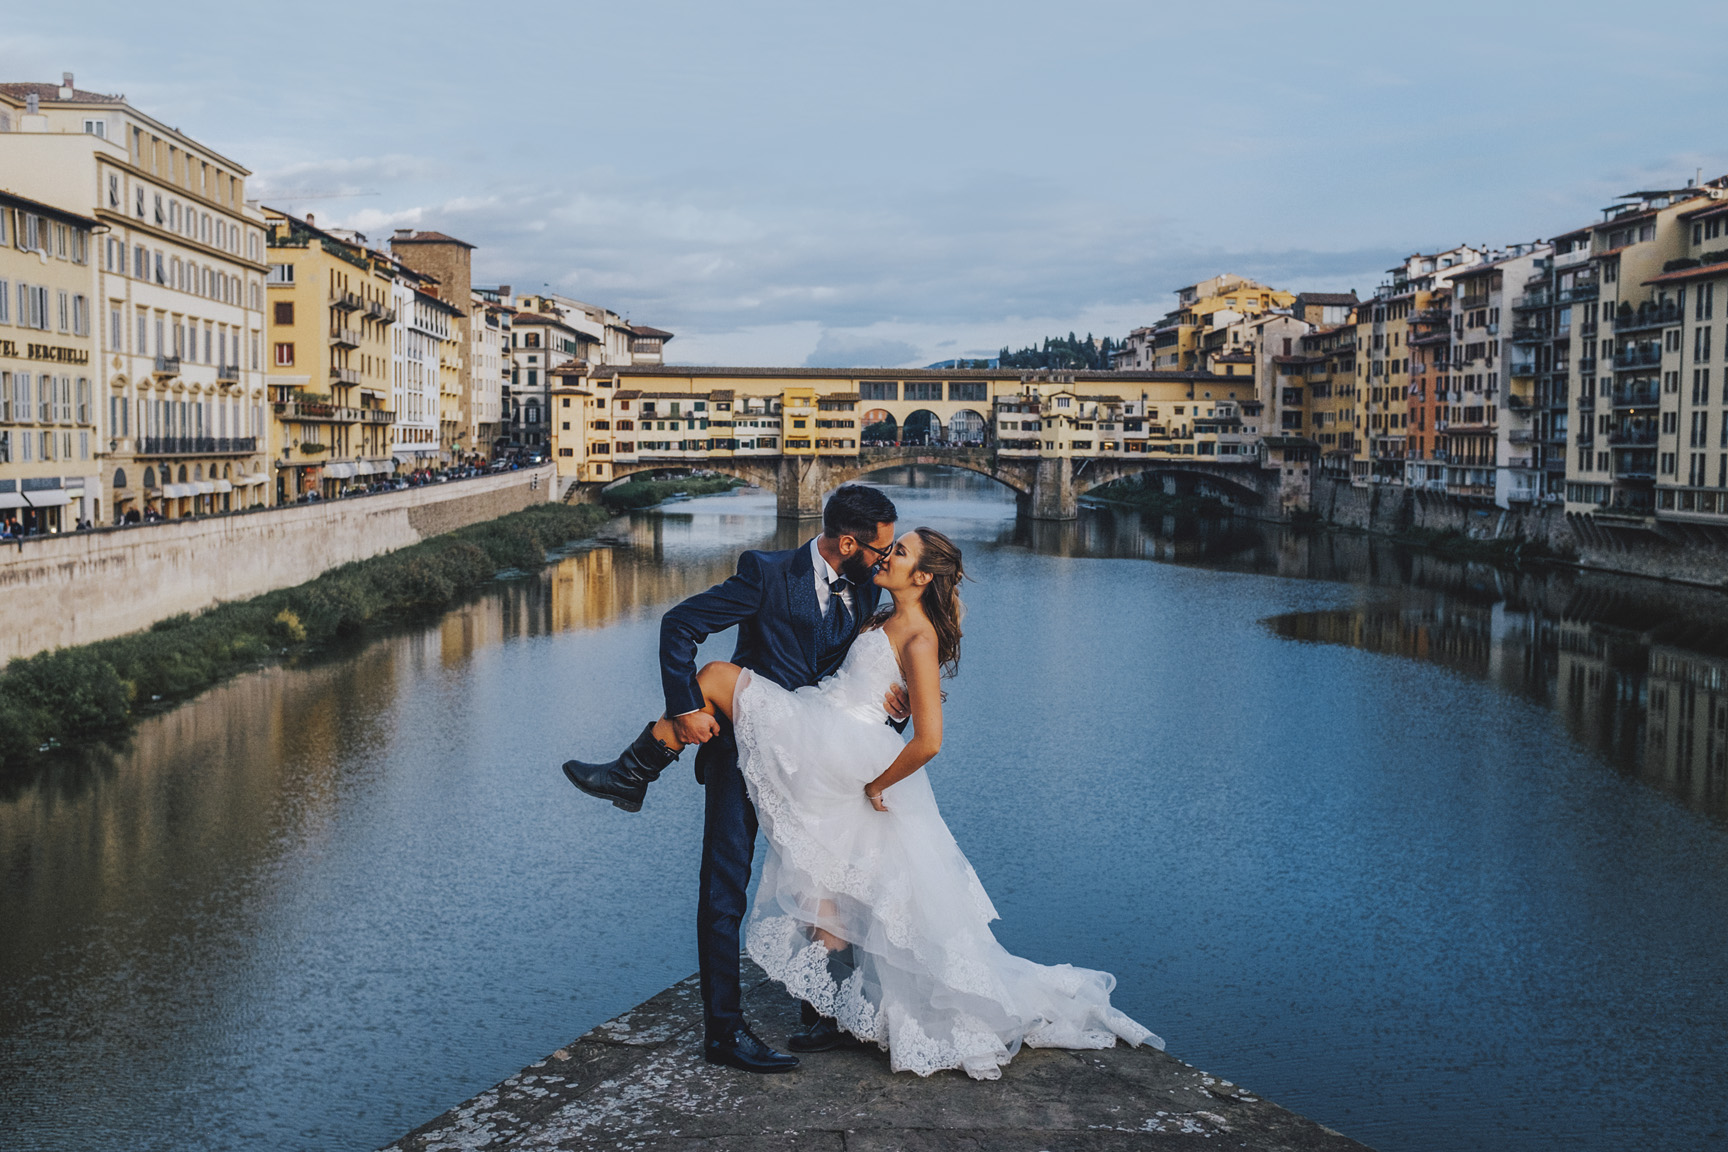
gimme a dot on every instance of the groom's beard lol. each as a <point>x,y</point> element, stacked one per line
<point>856,570</point>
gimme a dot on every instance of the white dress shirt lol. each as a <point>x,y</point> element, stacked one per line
<point>824,576</point>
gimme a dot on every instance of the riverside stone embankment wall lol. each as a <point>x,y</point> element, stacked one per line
<point>81,587</point>
<point>1672,552</point>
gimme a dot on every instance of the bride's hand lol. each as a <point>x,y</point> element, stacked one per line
<point>875,800</point>
<point>896,702</point>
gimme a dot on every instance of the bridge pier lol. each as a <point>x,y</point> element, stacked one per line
<point>799,487</point>
<point>1054,496</point>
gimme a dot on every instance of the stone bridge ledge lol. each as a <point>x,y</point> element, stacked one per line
<point>639,1082</point>
<point>1048,488</point>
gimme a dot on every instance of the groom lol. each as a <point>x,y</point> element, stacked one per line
<point>797,613</point>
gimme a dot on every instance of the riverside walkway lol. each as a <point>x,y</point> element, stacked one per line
<point>638,1082</point>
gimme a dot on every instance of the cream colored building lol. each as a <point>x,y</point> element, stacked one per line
<point>49,467</point>
<point>176,298</point>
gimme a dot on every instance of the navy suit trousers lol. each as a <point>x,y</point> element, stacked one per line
<point>728,848</point>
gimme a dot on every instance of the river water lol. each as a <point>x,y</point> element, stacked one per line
<point>1434,854</point>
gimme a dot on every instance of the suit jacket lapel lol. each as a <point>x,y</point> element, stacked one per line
<point>801,597</point>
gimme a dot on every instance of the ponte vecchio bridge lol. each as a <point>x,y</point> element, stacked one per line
<point>1051,437</point>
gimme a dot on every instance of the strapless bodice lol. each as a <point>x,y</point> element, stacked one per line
<point>863,678</point>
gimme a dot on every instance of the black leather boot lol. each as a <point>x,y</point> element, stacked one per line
<point>624,781</point>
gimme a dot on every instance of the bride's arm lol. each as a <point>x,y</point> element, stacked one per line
<point>924,685</point>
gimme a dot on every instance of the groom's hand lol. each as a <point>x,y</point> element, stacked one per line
<point>899,705</point>
<point>695,728</point>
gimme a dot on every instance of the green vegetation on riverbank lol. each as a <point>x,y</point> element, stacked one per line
<point>75,694</point>
<point>1504,553</point>
<point>634,494</point>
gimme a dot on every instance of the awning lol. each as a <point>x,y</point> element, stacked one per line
<point>54,499</point>
<point>204,487</point>
<point>12,500</point>
<point>176,491</point>
<point>255,478</point>
<point>223,486</point>
<point>404,457</point>
<point>339,471</point>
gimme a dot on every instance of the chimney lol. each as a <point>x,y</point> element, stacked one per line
<point>65,85</point>
<point>310,221</point>
<point>503,293</point>
<point>404,234</point>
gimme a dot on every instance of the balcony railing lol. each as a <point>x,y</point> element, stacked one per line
<point>1587,365</point>
<point>1577,292</point>
<point>377,416</point>
<point>228,374</point>
<point>1648,316</point>
<point>1469,302</point>
<point>166,366</point>
<point>1531,301</point>
<point>346,301</point>
<point>196,445</point>
<point>1642,394</point>
<point>1628,434</point>
<point>345,338</point>
<point>1638,356</point>
<point>1523,334</point>
<point>345,375</point>
<point>380,312</point>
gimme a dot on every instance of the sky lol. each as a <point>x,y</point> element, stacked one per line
<point>891,184</point>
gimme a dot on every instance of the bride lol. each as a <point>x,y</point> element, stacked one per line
<point>867,908</point>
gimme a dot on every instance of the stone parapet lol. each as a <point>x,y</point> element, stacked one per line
<point>639,1082</point>
<point>77,588</point>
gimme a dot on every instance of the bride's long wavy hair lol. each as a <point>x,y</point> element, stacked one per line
<point>940,558</point>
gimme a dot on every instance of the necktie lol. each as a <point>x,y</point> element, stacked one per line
<point>837,621</point>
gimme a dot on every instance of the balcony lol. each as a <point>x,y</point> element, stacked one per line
<point>1531,301</point>
<point>1638,356</point>
<point>377,416</point>
<point>346,301</point>
<point>1630,433</point>
<point>1587,365</point>
<point>1637,394</point>
<point>380,312</point>
<point>1468,302</point>
<point>197,445</point>
<point>1524,334</point>
<point>1648,316</point>
<point>165,367</point>
<point>345,338</point>
<point>1521,437</point>
<point>344,375</point>
<point>313,410</point>
<point>228,374</point>
<point>1579,292</point>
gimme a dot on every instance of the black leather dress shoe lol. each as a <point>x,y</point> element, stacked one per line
<point>823,1036</point>
<point>744,1052</point>
<point>623,781</point>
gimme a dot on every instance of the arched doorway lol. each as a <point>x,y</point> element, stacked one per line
<point>921,428</point>
<point>967,429</point>
<point>880,428</point>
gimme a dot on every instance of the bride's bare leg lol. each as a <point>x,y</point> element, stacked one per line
<point>833,943</point>
<point>718,681</point>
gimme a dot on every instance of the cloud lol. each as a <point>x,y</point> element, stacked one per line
<point>841,350</point>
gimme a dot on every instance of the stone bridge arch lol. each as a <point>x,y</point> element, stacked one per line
<point>1046,488</point>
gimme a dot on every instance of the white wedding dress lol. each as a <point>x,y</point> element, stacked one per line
<point>925,978</point>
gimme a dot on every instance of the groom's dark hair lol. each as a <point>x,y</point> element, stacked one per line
<point>855,510</point>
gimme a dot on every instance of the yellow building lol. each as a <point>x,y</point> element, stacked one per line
<point>1187,339</point>
<point>1317,395</point>
<point>176,297</point>
<point>49,478</point>
<point>330,359</point>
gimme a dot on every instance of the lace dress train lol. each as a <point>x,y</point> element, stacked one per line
<point>924,977</point>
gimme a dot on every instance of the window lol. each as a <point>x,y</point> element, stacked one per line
<point>284,355</point>
<point>282,312</point>
<point>281,274</point>
<point>5,300</point>
<point>879,389</point>
<point>923,390</point>
<point>968,390</point>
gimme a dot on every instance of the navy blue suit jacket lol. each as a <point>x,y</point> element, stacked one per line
<point>772,600</point>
